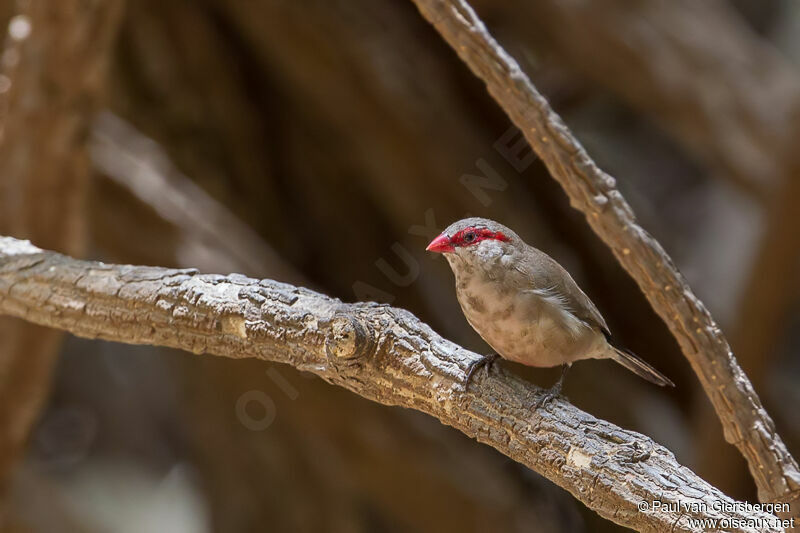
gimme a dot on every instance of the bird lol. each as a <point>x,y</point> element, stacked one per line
<point>525,305</point>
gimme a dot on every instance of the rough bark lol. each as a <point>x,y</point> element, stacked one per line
<point>53,71</point>
<point>379,352</point>
<point>592,191</point>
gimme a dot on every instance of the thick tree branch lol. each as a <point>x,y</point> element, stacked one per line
<point>382,353</point>
<point>592,191</point>
<point>147,212</point>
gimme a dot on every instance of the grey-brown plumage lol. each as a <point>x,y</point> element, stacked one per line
<point>524,304</point>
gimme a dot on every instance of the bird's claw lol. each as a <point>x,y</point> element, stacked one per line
<point>486,360</point>
<point>548,396</point>
<point>553,392</point>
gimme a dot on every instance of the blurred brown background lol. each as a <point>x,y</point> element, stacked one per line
<point>319,142</point>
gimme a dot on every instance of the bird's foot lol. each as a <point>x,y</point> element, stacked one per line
<point>555,391</point>
<point>486,360</point>
<point>548,396</point>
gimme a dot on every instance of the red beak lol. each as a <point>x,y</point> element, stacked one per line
<point>440,244</point>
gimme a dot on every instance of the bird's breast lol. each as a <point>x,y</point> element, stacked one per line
<point>520,326</point>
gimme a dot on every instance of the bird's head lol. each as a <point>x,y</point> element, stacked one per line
<point>474,241</point>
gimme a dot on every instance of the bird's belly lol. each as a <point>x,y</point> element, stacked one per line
<point>525,330</point>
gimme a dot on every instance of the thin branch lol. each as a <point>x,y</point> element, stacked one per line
<point>747,425</point>
<point>668,72</point>
<point>379,352</point>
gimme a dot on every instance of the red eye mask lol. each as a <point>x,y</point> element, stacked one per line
<point>466,237</point>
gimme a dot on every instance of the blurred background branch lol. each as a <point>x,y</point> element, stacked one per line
<point>695,67</point>
<point>207,232</point>
<point>53,73</point>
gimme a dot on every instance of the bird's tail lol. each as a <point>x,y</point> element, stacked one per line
<point>635,364</point>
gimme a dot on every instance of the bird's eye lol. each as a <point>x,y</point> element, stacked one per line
<point>469,237</point>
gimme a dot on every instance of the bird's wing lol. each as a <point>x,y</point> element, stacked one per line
<point>551,282</point>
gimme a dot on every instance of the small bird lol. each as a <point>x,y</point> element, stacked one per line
<point>525,305</point>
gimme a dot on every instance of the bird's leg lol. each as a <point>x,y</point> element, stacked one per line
<point>554,391</point>
<point>486,361</point>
